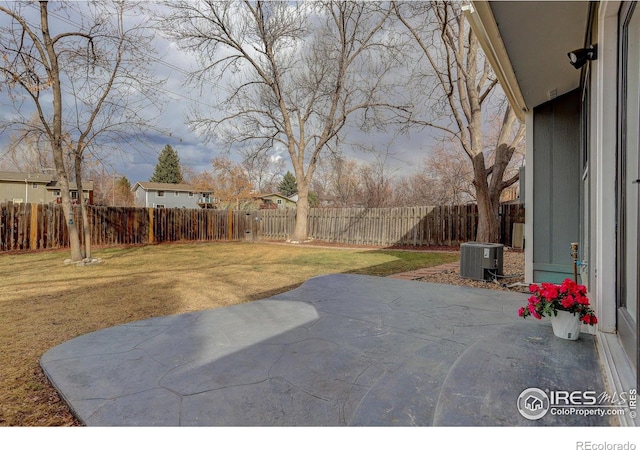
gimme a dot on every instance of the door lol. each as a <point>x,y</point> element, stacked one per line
<point>628,184</point>
<point>556,186</point>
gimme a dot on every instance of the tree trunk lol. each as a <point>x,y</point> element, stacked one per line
<point>488,204</point>
<point>56,137</point>
<point>300,232</point>
<point>86,229</point>
<point>488,217</point>
<point>74,239</point>
<point>67,209</point>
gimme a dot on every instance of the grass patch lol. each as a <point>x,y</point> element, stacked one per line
<point>44,303</point>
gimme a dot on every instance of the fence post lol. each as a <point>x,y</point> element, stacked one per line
<point>33,232</point>
<point>230,226</point>
<point>151,236</point>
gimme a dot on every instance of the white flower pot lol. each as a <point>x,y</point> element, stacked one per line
<point>566,325</point>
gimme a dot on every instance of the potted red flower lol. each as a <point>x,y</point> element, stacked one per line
<point>567,305</point>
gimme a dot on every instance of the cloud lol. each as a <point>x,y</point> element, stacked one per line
<point>136,158</point>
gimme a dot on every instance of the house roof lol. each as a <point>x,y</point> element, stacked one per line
<point>527,44</point>
<point>44,178</point>
<point>276,194</point>
<point>24,176</point>
<point>180,187</point>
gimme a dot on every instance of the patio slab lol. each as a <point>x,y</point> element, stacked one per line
<point>340,350</point>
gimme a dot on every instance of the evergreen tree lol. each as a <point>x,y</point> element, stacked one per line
<point>123,184</point>
<point>168,167</point>
<point>288,186</point>
<point>122,195</point>
<point>314,201</point>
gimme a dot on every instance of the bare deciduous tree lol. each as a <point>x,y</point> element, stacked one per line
<point>418,189</point>
<point>264,170</point>
<point>375,184</point>
<point>444,178</point>
<point>297,71</point>
<point>343,181</point>
<point>87,80</point>
<point>110,189</point>
<point>28,151</point>
<point>452,172</point>
<point>202,181</point>
<point>458,83</point>
<point>232,185</point>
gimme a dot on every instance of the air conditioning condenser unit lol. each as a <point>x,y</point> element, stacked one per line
<point>481,261</point>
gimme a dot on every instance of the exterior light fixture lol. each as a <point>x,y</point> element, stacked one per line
<point>579,57</point>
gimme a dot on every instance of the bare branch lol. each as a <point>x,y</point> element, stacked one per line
<point>97,95</point>
<point>297,72</point>
<point>464,77</point>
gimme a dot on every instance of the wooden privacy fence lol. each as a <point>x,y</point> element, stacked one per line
<point>417,226</point>
<point>41,226</point>
<point>26,226</point>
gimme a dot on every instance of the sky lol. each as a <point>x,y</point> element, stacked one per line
<point>172,64</point>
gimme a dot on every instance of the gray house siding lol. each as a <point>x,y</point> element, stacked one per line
<point>556,187</point>
<point>172,199</point>
<point>149,196</point>
<point>140,197</point>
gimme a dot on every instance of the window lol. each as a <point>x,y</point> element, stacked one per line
<point>159,206</point>
<point>279,202</point>
<point>190,194</point>
<point>160,194</point>
<point>56,193</point>
<point>74,195</point>
<point>585,102</point>
<point>34,186</point>
<point>176,194</point>
<point>628,171</point>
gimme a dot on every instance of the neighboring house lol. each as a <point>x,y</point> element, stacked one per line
<point>20,187</point>
<point>278,201</point>
<point>582,151</point>
<point>168,195</point>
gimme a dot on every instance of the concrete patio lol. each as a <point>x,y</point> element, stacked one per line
<point>341,350</point>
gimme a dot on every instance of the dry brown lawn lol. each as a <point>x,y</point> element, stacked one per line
<point>44,302</point>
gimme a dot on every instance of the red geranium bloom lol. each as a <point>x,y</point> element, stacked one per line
<point>590,319</point>
<point>551,292</point>
<point>567,302</point>
<point>583,300</point>
<point>549,298</point>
